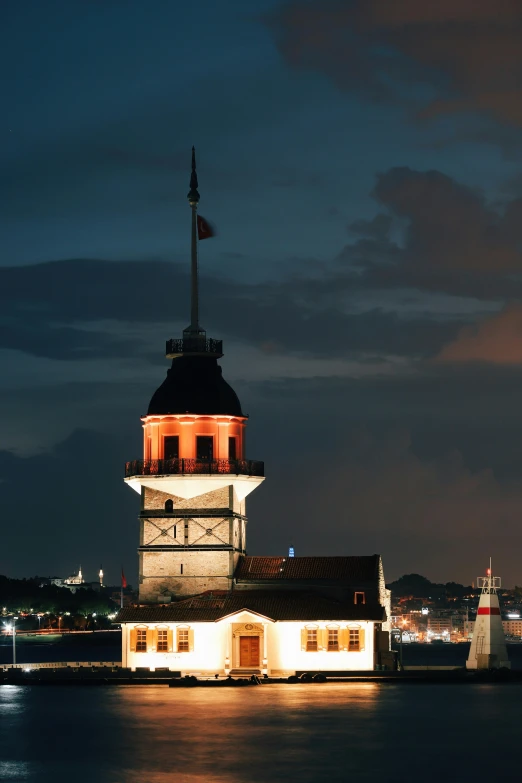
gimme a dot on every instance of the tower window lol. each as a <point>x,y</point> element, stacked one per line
<point>171,447</point>
<point>169,506</point>
<point>232,448</point>
<point>181,568</point>
<point>205,448</point>
<point>175,529</point>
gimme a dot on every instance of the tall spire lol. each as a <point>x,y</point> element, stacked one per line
<point>194,341</point>
<point>193,198</point>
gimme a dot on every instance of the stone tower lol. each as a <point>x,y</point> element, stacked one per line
<point>194,475</point>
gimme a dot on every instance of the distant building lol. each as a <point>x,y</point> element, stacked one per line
<point>511,627</point>
<point>75,579</point>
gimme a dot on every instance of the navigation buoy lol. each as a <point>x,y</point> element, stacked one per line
<point>488,646</point>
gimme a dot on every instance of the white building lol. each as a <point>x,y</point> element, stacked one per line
<point>276,631</point>
<point>205,606</point>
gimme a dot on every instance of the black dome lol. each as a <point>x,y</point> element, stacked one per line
<point>195,384</point>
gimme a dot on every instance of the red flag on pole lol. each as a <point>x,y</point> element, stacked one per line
<point>123,580</point>
<point>205,230</point>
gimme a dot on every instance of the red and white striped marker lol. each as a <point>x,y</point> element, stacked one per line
<point>488,647</point>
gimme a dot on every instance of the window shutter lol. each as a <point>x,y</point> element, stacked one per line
<point>343,638</point>
<point>304,637</point>
<point>170,640</point>
<point>132,643</point>
<point>151,639</point>
<point>361,639</point>
<point>191,639</point>
<point>322,639</point>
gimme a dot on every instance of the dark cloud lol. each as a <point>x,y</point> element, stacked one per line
<point>292,315</point>
<point>372,469</point>
<point>445,57</point>
<point>69,507</point>
<point>453,239</point>
<point>433,235</point>
<point>496,340</point>
<point>413,464</point>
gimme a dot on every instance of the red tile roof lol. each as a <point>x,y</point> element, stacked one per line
<point>276,605</point>
<point>346,569</point>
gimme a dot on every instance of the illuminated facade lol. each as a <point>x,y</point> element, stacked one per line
<point>204,605</point>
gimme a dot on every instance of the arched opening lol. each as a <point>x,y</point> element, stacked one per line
<point>169,506</point>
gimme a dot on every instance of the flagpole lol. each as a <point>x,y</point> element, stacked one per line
<point>193,198</point>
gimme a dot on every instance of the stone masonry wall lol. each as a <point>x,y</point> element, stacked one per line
<point>161,575</point>
<point>202,570</point>
<point>154,499</point>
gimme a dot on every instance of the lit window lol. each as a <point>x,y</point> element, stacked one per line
<point>141,640</point>
<point>171,447</point>
<point>353,643</point>
<point>205,448</point>
<point>183,640</point>
<point>311,640</point>
<point>333,639</point>
<point>163,644</point>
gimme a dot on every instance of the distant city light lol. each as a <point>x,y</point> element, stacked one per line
<point>514,615</point>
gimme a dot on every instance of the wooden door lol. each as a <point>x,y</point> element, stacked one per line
<point>249,651</point>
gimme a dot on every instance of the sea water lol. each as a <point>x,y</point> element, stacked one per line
<point>268,734</point>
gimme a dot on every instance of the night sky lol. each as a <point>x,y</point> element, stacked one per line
<point>362,162</point>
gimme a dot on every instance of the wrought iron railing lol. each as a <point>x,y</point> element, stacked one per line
<point>199,345</point>
<point>165,467</point>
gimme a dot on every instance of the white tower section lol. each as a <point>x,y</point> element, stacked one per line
<point>488,646</point>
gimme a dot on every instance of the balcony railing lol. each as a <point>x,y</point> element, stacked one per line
<point>194,345</point>
<point>190,467</point>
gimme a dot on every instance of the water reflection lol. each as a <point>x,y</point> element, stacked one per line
<point>270,734</point>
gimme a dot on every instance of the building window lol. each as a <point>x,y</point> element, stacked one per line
<point>163,642</point>
<point>183,640</point>
<point>333,640</point>
<point>232,448</point>
<point>311,640</point>
<point>141,640</point>
<point>169,506</point>
<point>175,531</point>
<point>205,448</point>
<point>181,568</point>
<point>359,598</point>
<point>353,642</point>
<point>171,447</point>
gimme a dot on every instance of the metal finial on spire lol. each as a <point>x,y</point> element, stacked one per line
<point>193,195</point>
